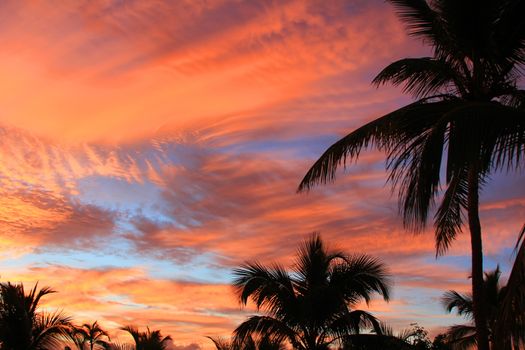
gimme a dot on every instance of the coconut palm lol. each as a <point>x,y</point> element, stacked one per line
<point>91,334</point>
<point>149,340</point>
<point>22,326</point>
<point>464,336</point>
<point>310,307</point>
<point>469,106</point>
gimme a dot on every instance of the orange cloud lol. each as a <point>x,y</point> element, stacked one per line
<point>125,70</point>
<point>117,297</point>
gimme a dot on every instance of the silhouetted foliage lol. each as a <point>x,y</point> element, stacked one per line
<point>464,336</point>
<point>386,339</point>
<point>440,343</point>
<point>510,325</point>
<point>310,307</point>
<point>148,340</point>
<point>22,325</point>
<point>265,342</point>
<point>468,106</point>
<point>91,335</point>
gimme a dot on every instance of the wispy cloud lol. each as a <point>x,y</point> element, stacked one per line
<point>178,132</point>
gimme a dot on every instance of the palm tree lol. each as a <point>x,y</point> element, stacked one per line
<point>468,106</point>
<point>149,340</point>
<point>510,328</point>
<point>22,326</point>
<point>265,342</point>
<point>91,334</point>
<point>464,336</point>
<point>310,307</point>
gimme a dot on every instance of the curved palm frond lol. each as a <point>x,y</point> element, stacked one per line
<point>385,133</point>
<point>148,340</point>
<point>449,216</point>
<point>352,323</point>
<point>271,288</point>
<point>421,77</point>
<point>220,343</point>
<point>462,337</point>
<point>135,334</point>
<point>462,302</point>
<point>49,330</point>
<point>266,326</point>
<point>360,277</point>
<point>423,21</point>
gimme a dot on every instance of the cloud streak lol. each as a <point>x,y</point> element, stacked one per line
<point>162,142</point>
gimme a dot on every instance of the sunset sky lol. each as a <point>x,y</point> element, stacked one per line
<point>149,147</point>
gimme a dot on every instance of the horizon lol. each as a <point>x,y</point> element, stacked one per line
<point>148,148</point>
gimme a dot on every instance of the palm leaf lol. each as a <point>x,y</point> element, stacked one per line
<point>421,76</point>
<point>462,337</point>
<point>266,326</point>
<point>385,133</point>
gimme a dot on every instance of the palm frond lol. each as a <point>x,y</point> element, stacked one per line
<point>421,20</point>
<point>49,330</point>
<point>421,77</point>
<point>266,326</point>
<point>220,343</point>
<point>415,169</point>
<point>461,337</point>
<point>360,277</point>
<point>271,288</point>
<point>385,133</point>
<point>353,323</point>
<point>462,302</point>
<point>448,220</point>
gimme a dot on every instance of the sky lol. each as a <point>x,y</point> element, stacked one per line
<point>147,148</point>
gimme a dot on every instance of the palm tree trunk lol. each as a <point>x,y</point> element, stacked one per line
<point>480,317</point>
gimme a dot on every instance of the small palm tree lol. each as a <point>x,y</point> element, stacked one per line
<point>149,340</point>
<point>469,107</point>
<point>464,336</point>
<point>22,326</point>
<point>264,342</point>
<point>510,327</point>
<point>91,334</point>
<point>310,307</point>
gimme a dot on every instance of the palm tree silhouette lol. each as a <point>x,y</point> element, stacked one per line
<point>22,326</point>
<point>149,340</point>
<point>265,342</point>
<point>464,336</point>
<point>91,334</point>
<point>469,106</point>
<point>310,307</point>
<point>510,327</point>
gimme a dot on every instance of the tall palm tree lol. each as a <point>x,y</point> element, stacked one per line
<point>148,340</point>
<point>310,307</point>
<point>91,334</point>
<point>22,326</point>
<point>464,336</point>
<point>468,106</point>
